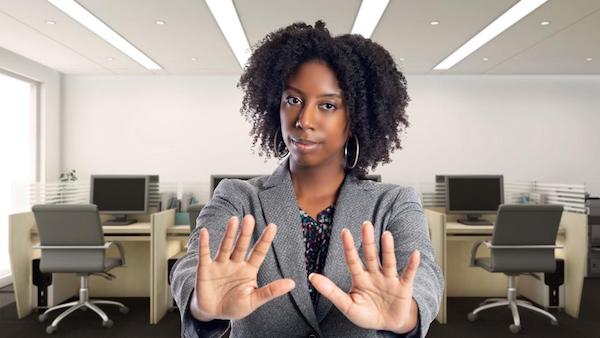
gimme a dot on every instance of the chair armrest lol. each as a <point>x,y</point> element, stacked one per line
<point>491,246</point>
<point>119,246</point>
<point>67,247</point>
<point>476,246</point>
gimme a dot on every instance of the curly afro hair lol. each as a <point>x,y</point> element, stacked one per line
<point>374,90</point>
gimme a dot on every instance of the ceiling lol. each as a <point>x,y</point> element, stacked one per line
<point>191,43</point>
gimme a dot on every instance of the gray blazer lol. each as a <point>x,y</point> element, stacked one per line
<point>271,199</point>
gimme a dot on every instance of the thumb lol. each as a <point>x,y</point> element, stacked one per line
<point>271,291</point>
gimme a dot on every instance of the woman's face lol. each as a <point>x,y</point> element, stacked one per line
<point>313,116</point>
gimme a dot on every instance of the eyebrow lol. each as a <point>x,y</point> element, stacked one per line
<point>324,95</point>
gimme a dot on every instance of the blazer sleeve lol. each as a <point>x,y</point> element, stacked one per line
<point>214,216</point>
<point>410,230</point>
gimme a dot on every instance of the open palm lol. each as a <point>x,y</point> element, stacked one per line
<point>379,299</point>
<point>226,288</point>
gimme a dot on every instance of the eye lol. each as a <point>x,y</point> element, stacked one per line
<point>292,100</point>
<point>328,106</point>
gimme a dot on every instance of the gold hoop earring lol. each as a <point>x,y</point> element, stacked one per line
<point>357,153</point>
<point>276,146</point>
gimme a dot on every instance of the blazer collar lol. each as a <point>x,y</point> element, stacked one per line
<point>280,206</point>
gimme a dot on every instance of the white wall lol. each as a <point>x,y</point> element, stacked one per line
<point>50,91</point>
<point>188,127</point>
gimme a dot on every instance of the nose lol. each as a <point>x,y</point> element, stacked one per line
<point>307,118</point>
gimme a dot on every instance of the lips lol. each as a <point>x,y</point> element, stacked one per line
<point>304,145</point>
<point>303,141</point>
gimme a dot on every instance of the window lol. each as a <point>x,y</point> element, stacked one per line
<point>18,151</point>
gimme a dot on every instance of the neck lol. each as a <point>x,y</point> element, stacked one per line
<point>317,182</point>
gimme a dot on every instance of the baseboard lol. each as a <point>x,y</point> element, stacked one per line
<point>5,280</point>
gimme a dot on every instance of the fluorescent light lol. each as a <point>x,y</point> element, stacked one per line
<point>545,23</point>
<point>434,23</point>
<point>229,22</point>
<point>81,15</point>
<point>50,22</point>
<point>160,22</point>
<point>588,59</point>
<point>510,17</point>
<point>369,14</point>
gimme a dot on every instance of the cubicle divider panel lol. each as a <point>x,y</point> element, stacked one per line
<point>20,252</point>
<point>437,233</point>
<point>575,255</point>
<point>159,302</point>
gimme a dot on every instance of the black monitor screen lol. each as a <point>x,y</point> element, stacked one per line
<point>119,194</point>
<point>476,194</point>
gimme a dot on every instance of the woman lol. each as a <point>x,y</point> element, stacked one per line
<point>335,106</point>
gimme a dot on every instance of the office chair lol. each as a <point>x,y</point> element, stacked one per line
<point>71,240</point>
<point>523,242</point>
<point>194,211</point>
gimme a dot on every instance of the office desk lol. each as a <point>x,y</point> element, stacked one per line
<point>134,280</point>
<point>453,241</point>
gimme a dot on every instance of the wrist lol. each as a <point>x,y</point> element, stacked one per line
<point>412,321</point>
<point>195,310</point>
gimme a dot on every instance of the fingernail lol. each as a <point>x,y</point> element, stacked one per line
<point>310,276</point>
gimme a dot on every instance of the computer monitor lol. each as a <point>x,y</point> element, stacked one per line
<point>120,195</point>
<point>474,195</point>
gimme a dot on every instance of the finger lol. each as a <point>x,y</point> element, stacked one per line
<point>410,270</point>
<point>228,240</point>
<point>259,252</point>
<point>271,291</point>
<point>351,255</point>
<point>329,290</point>
<point>369,248</point>
<point>203,248</point>
<point>389,255</point>
<point>241,247</point>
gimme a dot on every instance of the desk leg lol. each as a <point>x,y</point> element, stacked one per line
<point>159,302</point>
<point>575,252</point>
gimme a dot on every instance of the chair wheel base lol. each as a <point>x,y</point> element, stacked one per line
<point>124,310</point>
<point>107,323</point>
<point>42,318</point>
<point>514,328</point>
<point>83,308</point>
<point>554,322</point>
<point>51,329</point>
<point>471,316</point>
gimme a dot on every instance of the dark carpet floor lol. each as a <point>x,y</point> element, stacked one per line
<point>490,324</point>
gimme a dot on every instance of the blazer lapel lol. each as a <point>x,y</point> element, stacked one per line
<point>279,205</point>
<point>352,209</point>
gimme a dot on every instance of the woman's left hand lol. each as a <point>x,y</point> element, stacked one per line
<point>379,299</point>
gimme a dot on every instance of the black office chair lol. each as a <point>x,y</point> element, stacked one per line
<point>523,241</point>
<point>71,240</point>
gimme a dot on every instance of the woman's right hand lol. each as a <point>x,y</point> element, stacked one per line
<point>226,287</point>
